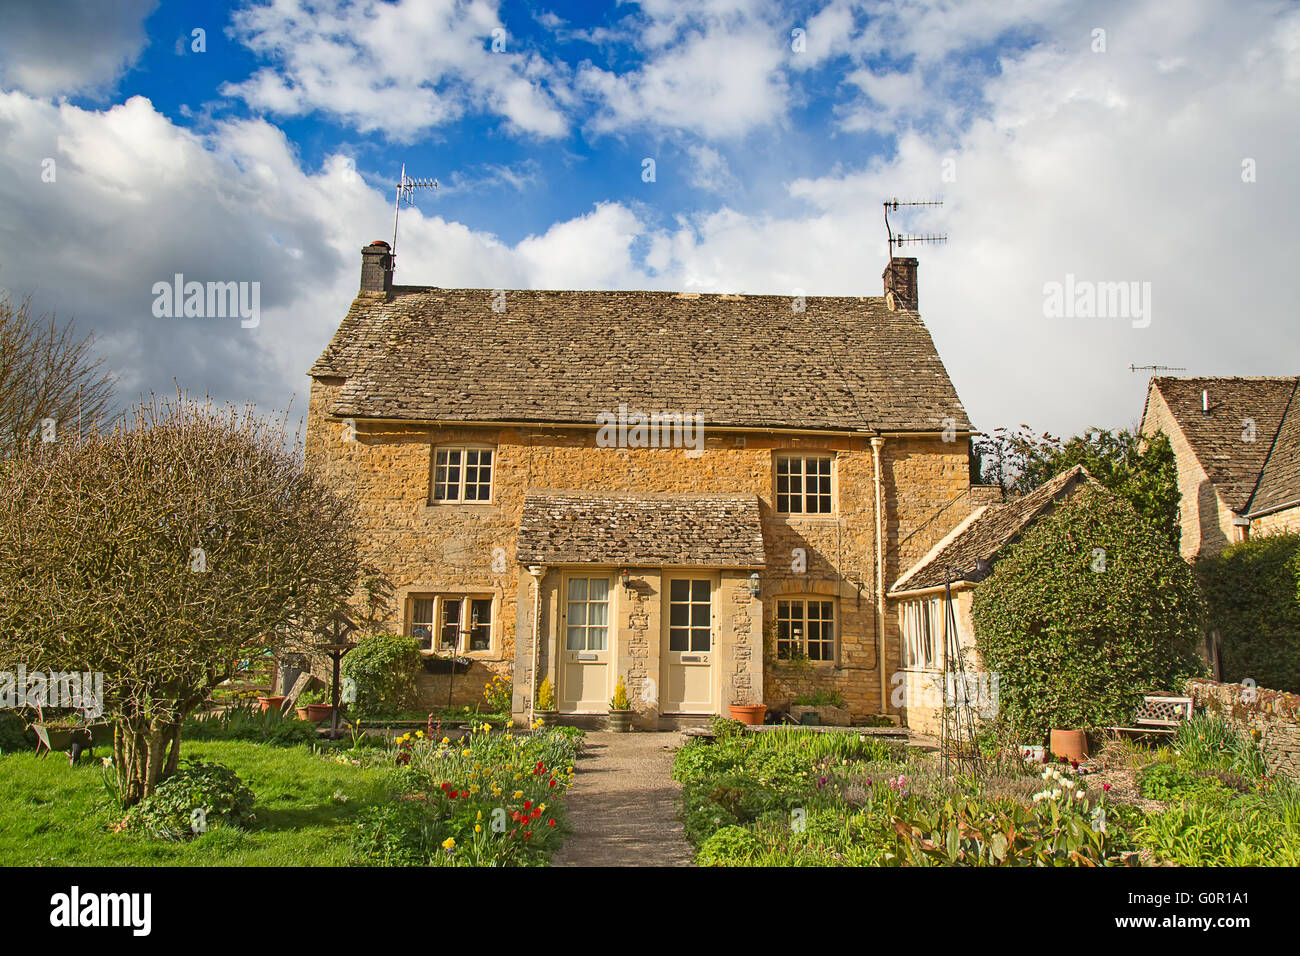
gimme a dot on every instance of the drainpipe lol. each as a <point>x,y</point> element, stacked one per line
<point>876,445</point>
<point>536,570</point>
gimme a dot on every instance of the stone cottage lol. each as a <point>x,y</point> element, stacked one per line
<point>955,567</point>
<point>706,495</point>
<point>1237,446</point>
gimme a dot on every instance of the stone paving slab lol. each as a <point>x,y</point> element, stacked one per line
<point>623,805</point>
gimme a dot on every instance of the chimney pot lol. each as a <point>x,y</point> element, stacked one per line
<point>376,267</point>
<point>900,279</point>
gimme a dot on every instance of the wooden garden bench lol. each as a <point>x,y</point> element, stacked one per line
<point>1158,715</point>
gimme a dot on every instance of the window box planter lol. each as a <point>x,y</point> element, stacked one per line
<point>620,721</point>
<point>446,665</point>
<point>751,714</point>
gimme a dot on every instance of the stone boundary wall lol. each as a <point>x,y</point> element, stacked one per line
<point>1273,714</point>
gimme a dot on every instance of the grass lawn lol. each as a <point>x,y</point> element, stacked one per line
<point>55,815</point>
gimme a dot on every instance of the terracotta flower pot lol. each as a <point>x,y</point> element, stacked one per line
<point>268,704</point>
<point>620,721</point>
<point>752,714</point>
<point>1070,744</point>
<point>314,713</point>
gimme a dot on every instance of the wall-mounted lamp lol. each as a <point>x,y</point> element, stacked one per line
<point>625,578</point>
<point>754,589</point>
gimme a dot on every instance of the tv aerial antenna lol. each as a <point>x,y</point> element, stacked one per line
<point>1157,369</point>
<point>406,189</point>
<point>902,239</point>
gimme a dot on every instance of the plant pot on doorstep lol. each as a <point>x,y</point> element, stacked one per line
<point>545,718</point>
<point>314,713</point>
<point>620,721</point>
<point>1070,744</point>
<point>751,714</point>
<point>268,704</point>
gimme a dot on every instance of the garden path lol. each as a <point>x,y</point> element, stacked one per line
<point>623,804</point>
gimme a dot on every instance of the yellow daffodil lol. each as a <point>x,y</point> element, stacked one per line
<point>420,734</point>
<point>448,843</point>
<point>446,740</point>
<point>518,794</point>
<point>477,828</point>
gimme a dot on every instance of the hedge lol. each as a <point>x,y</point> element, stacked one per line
<point>1253,592</point>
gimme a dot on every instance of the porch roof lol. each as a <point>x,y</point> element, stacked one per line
<point>574,527</point>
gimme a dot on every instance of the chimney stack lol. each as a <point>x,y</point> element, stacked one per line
<point>900,279</point>
<point>377,267</point>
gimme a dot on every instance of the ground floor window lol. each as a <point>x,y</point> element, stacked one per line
<point>451,623</point>
<point>805,628</point>
<point>922,632</point>
<point>587,613</point>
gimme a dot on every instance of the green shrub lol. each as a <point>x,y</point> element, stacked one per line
<point>1078,647</point>
<point>15,735</point>
<point>730,846</point>
<point>170,811</point>
<point>384,668</point>
<point>248,722</point>
<point>1175,782</point>
<point>1252,589</point>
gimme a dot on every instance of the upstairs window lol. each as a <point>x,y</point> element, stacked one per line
<point>462,474</point>
<point>803,484</point>
<point>451,623</point>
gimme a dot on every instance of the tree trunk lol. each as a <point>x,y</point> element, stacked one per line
<point>139,747</point>
<point>174,755</point>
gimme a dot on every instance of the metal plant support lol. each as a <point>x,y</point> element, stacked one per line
<point>958,748</point>
<point>336,645</point>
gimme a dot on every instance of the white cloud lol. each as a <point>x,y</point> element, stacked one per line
<point>48,47</point>
<point>710,170</point>
<point>710,68</point>
<point>400,68</point>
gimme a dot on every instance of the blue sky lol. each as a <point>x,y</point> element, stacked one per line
<point>1104,141</point>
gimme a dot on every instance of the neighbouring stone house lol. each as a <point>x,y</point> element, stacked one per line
<point>1237,446</point>
<point>954,567</point>
<point>706,495</point>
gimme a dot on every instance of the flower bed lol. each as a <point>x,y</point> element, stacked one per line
<point>797,798</point>
<point>485,799</point>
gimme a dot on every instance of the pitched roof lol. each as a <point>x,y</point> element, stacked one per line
<point>1234,466</point>
<point>426,354</point>
<point>1279,482</point>
<point>986,531</point>
<point>573,527</point>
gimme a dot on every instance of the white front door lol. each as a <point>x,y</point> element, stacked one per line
<point>688,647</point>
<point>584,662</point>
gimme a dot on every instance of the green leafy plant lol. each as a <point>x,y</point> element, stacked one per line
<point>247,722</point>
<point>729,846</point>
<point>197,791</point>
<point>384,669</point>
<point>1210,742</point>
<point>314,696</point>
<point>1090,610</point>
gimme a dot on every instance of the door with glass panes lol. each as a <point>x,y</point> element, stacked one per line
<point>688,645</point>
<point>587,635</point>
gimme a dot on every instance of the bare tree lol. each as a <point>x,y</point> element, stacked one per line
<point>47,373</point>
<point>160,554</point>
